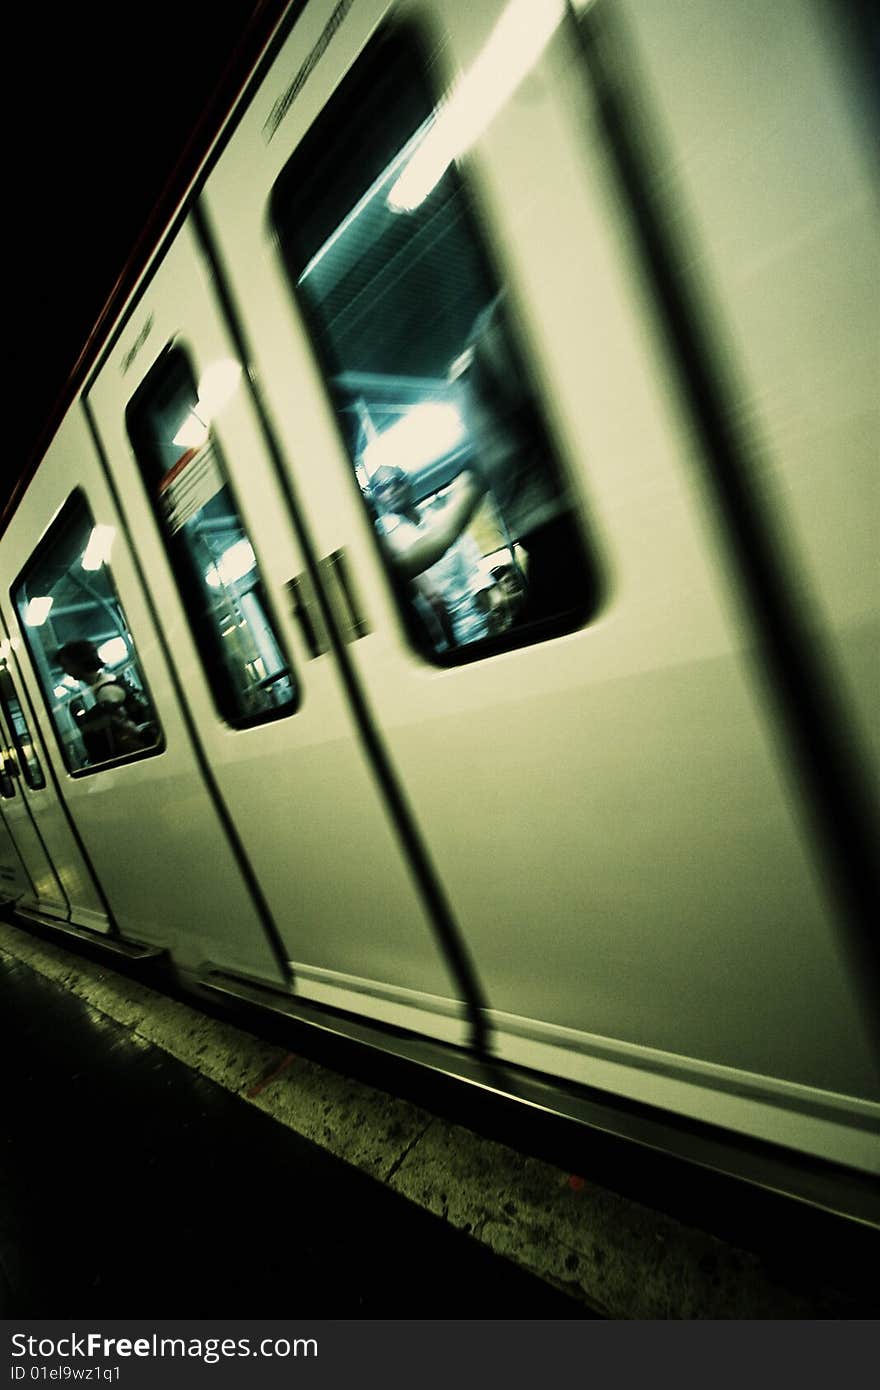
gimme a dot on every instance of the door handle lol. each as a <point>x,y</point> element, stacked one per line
<point>308,614</point>
<point>350,614</point>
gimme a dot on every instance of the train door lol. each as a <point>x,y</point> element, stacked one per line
<point>226,574</point>
<point>100,689</point>
<point>15,885</point>
<point>24,777</point>
<point>424,252</point>
<point>55,852</point>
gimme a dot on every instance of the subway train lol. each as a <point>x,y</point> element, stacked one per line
<point>508,704</point>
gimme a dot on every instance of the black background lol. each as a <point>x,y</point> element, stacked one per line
<point>101,103</point>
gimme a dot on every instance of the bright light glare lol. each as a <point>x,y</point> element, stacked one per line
<point>192,434</point>
<point>233,564</point>
<point>424,434</point>
<point>61,692</point>
<point>97,552</point>
<point>217,385</point>
<point>511,51</point>
<point>37,611</point>
<point>70,681</point>
<point>114,650</point>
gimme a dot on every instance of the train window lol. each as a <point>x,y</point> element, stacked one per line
<point>212,558</point>
<point>7,785</point>
<point>18,728</point>
<point>81,648</point>
<point>473,521</point>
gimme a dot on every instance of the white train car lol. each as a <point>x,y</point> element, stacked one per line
<point>448,610</point>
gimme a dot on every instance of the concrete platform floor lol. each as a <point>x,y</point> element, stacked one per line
<point>132,1185</point>
<point>155,1161</point>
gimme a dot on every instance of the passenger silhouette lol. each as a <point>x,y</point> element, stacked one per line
<point>119,721</point>
<point>427,547</point>
<point>513,461</point>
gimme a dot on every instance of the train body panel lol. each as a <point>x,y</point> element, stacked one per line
<point>786,233</point>
<point>539,786</point>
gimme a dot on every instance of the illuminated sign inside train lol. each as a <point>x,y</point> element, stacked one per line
<point>189,485</point>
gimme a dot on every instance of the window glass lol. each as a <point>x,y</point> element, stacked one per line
<point>210,553</point>
<point>7,785</point>
<point>18,727</point>
<point>80,645</point>
<point>7,782</point>
<point>413,330</point>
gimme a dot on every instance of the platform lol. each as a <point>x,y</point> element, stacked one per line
<point>132,1186</point>
<point>158,1161</point>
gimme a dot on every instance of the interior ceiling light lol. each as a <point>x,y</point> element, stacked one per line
<point>217,385</point>
<point>97,552</point>
<point>510,52</point>
<point>114,650</point>
<point>424,434</point>
<point>192,434</point>
<point>233,564</point>
<point>37,611</point>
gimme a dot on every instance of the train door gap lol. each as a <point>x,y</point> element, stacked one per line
<point>65,901</point>
<point>26,882</point>
<point>53,785</point>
